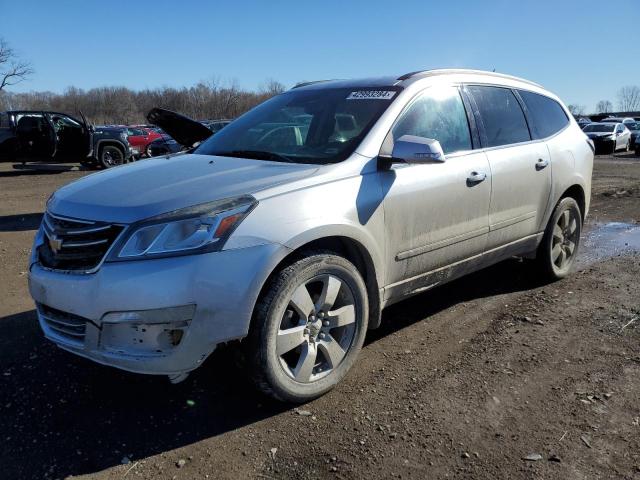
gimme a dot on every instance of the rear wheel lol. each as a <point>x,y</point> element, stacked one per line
<point>308,328</point>
<point>559,247</point>
<point>148,151</point>
<point>111,156</point>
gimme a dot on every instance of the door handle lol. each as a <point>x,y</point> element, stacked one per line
<point>541,163</point>
<point>475,177</point>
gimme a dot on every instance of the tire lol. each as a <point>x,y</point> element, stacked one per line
<point>87,163</point>
<point>559,247</point>
<point>111,156</point>
<point>637,152</point>
<point>147,151</point>
<point>298,349</point>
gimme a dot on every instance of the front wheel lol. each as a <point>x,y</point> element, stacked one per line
<point>559,246</point>
<point>308,328</point>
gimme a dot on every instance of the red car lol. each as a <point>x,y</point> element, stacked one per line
<point>140,138</point>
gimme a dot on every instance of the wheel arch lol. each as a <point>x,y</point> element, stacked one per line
<point>109,143</point>
<point>576,191</point>
<point>344,246</point>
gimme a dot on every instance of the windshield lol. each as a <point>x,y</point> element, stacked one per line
<point>303,126</point>
<point>599,128</point>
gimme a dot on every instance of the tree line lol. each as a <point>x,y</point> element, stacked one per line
<point>121,105</point>
<point>628,101</point>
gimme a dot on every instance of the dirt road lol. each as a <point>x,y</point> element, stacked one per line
<point>465,381</point>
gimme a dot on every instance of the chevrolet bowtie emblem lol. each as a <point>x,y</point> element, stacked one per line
<point>55,243</point>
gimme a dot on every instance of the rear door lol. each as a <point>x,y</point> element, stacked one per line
<point>36,137</point>
<point>520,166</point>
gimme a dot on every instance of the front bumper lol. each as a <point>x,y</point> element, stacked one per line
<point>101,316</point>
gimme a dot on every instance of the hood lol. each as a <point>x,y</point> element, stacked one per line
<point>184,130</point>
<point>598,134</point>
<point>147,188</point>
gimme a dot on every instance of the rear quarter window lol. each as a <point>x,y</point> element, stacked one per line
<point>547,116</point>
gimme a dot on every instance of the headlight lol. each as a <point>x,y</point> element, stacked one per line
<point>198,229</point>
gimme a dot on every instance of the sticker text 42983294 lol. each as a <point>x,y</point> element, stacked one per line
<point>371,95</point>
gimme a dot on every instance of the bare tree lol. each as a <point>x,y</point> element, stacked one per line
<point>576,109</point>
<point>12,69</point>
<point>604,106</point>
<point>629,98</point>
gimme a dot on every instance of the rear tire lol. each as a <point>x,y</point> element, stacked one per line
<point>559,247</point>
<point>308,327</point>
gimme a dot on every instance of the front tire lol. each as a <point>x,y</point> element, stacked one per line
<point>308,327</point>
<point>559,246</point>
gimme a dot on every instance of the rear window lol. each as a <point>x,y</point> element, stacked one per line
<point>547,116</point>
<point>501,114</point>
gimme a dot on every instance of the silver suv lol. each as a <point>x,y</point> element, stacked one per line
<point>295,225</point>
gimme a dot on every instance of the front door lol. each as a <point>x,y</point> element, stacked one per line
<point>72,137</point>
<point>435,214</point>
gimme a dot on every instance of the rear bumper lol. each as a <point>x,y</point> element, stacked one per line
<point>127,314</point>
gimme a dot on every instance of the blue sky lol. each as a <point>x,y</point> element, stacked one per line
<point>143,44</point>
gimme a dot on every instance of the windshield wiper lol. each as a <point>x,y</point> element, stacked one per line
<point>255,154</point>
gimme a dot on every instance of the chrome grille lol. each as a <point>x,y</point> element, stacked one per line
<point>65,325</point>
<point>72,244</point>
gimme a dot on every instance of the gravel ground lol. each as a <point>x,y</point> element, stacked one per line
<point>496,375</point>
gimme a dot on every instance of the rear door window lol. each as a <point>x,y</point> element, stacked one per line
<point>438,114</point>
<point>501,114</point>
<point>546,115</point>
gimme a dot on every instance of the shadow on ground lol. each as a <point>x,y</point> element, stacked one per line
<point>39,169</point>
<point>81,417</point>
<point>20,223</point>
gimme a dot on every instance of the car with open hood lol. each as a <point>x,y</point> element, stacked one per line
<point>290,230</point>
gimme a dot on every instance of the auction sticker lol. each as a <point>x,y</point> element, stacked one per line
<point>371,95</point>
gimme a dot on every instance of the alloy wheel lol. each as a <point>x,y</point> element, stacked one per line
<point>112,157</point>
<point>317,328</point>
<point>565,233</point>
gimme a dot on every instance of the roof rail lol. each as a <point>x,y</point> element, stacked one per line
<point>304,84</point>
<point>449,71</point>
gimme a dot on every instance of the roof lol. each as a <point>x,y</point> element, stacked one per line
<point>406,79</point>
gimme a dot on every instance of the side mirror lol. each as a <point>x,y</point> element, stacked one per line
<point>411,149</point>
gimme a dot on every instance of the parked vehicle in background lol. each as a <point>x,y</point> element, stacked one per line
<point>583,121</point>
<point>634,128</point>
<point>186,132</point>
<point>165,145</point>
<point>293,235</point>
<point>216,125</point>
<point>140,138</point>
<point>624,120</point>
<point>27,135</point>
<point>609,137</point>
